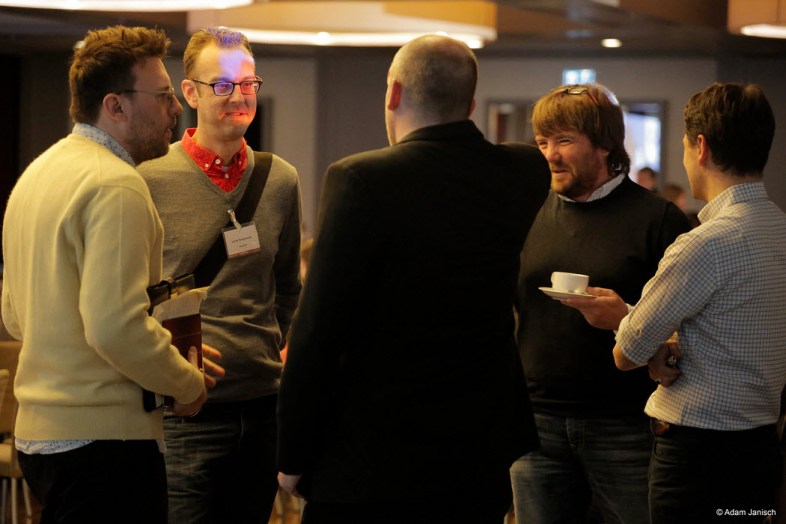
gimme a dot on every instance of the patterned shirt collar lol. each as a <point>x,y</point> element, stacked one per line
<point>228,176</point>
<point>601,192</point>
<point>103,138</point>
<point>732,195</point>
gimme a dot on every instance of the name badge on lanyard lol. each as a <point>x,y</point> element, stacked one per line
<point>242,239</point>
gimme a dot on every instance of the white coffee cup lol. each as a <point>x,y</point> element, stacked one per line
<point>569,282</point>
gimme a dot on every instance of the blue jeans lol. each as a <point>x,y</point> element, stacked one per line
<point>700,475</point>
<point>584,461</point>
<point>221,464</point>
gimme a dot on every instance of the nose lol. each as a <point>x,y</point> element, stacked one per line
<point>177,106</point>
<point>237,95</point>
<point>551,152</point>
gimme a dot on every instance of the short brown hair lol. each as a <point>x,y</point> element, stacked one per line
<point>103,64</point>
<point>220,36</point>
<point>590,109</point>
<point>738,124</point>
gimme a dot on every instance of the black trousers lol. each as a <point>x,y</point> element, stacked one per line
<point>485,501</point>
<point>105,481</point>
<point>699,475</point>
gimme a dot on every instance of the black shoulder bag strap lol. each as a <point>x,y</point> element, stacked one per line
<point>215,257</point>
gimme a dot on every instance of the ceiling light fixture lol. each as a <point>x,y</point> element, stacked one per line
<point>324,38</point>
<point>126,5</point>
<point>611,42</point>
<point>356,23</point>
<point>764,30</point>
<point>761,18</point>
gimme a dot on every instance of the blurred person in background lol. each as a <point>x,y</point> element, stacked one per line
<point>676,194</point>
<point>647,177</point>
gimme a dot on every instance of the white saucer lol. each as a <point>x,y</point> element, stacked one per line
<point>562,295</point>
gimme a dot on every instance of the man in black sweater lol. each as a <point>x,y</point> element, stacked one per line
<point>595,439</point>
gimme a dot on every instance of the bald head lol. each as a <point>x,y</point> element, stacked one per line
<point>438,76</point>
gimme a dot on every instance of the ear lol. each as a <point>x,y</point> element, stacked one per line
<point>189,90</point>
<point>113,107</point>
<point>395,95</point>
<point>471,108</point>
<point>704,154</point>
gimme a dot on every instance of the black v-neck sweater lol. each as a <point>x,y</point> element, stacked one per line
<point>618,241</point>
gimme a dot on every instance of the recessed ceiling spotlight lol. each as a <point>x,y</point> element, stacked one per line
<point>611,42</point>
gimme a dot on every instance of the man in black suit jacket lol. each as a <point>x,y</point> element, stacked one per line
<point>403,399</point>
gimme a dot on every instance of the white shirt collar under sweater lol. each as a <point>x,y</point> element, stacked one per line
<point>602,191</point>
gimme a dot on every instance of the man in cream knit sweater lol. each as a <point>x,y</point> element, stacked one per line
<point>81,242</point>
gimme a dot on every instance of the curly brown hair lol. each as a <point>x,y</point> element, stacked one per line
<point>103,63</point>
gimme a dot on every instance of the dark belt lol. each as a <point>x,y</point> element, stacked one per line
<point>266,404</point>
<point>661,427</point>
<point>239,405</point>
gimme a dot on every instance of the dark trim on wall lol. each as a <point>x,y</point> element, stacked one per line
<point>10,99</point>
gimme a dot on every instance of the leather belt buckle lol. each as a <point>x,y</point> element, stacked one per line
<point>659,427</point>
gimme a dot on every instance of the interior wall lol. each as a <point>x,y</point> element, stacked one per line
<point>43,107</point>
<point>291,85</point>
<point>770,75</point>
<point>351,101</point>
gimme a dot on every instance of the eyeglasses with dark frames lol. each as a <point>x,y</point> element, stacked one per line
<point>166,94</point>
<point>578,90</point>
<point>224,88</point>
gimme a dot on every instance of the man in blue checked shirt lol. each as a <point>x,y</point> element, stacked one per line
<point>722,287</point>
